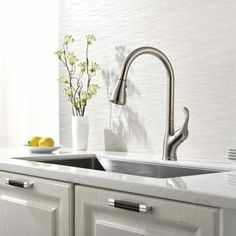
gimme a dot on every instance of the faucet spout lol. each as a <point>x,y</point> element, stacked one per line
<point>119,97</point>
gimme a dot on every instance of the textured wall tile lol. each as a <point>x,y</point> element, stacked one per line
<point>198,37</point>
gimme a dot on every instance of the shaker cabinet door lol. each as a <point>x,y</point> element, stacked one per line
<point>34,207</point>
<point>101,212</point>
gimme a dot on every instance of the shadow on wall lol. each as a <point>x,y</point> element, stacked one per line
<point>126,124</point>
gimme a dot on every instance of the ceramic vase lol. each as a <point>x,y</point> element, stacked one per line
<point>80,131</point>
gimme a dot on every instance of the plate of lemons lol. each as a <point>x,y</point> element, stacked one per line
<point>36,144</point>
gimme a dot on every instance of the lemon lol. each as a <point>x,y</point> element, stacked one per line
<point>46,142</point>
<point>34,141</point>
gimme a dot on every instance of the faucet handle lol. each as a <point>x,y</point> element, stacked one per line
<point>182,133</point>
<point>185,125</point>
<point>179,136</point>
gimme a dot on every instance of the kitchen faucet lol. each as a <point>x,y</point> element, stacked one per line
<point>172,138</point>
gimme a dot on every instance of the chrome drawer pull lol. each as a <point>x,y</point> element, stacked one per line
<point>18,183</point>
<point>128,205</point>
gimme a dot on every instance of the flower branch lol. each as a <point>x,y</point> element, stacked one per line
<point>76,71</point>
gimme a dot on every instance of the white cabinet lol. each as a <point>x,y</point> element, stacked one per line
<point>93,216</point>
<point>42,208</point>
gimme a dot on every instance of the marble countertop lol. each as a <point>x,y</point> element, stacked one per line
<point>217,189</point>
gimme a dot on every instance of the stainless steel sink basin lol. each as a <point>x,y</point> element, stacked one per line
<point>133,168</point>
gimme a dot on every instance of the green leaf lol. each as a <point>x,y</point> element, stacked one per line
<point>82,66</point>
<point>63,80</point>
<point>68,92</point>
<point>94,67</point>
<point>90,38</point>
<point>59,53</point>
<point>68,39</point>
<point>71,57</point>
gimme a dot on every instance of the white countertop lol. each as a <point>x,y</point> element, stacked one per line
<point>211,189</point>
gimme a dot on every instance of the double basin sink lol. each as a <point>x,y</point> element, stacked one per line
<point>154,170</point>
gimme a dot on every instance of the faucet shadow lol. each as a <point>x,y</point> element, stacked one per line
<point>126,125</point>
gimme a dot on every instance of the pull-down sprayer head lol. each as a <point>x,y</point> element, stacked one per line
<point>119,95</point>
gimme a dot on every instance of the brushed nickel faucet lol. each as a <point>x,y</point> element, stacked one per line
<point>172,138</point>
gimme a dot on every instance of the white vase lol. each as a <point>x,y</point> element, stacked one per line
<point>80,131</point>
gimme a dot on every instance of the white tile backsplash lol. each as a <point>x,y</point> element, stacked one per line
<point>199,39</point>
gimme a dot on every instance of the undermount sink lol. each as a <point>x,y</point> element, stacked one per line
<point>133,168</point>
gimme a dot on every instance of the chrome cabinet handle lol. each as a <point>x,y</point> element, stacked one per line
<point>18,183</point>
<point>128,205</point>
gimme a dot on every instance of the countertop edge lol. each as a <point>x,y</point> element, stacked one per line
<point>126,183</point>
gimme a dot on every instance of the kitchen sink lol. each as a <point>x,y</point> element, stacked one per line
<point>154,170</point>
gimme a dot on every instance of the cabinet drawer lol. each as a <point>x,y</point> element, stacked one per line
<point>94,216</point>
<point>34,206</point>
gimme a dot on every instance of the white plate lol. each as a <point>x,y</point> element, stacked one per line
<point>42,149</point>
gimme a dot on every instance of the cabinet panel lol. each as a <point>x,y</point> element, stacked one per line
<point>18,218</point>
<point>45,209</point>
<point>94,217</point>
